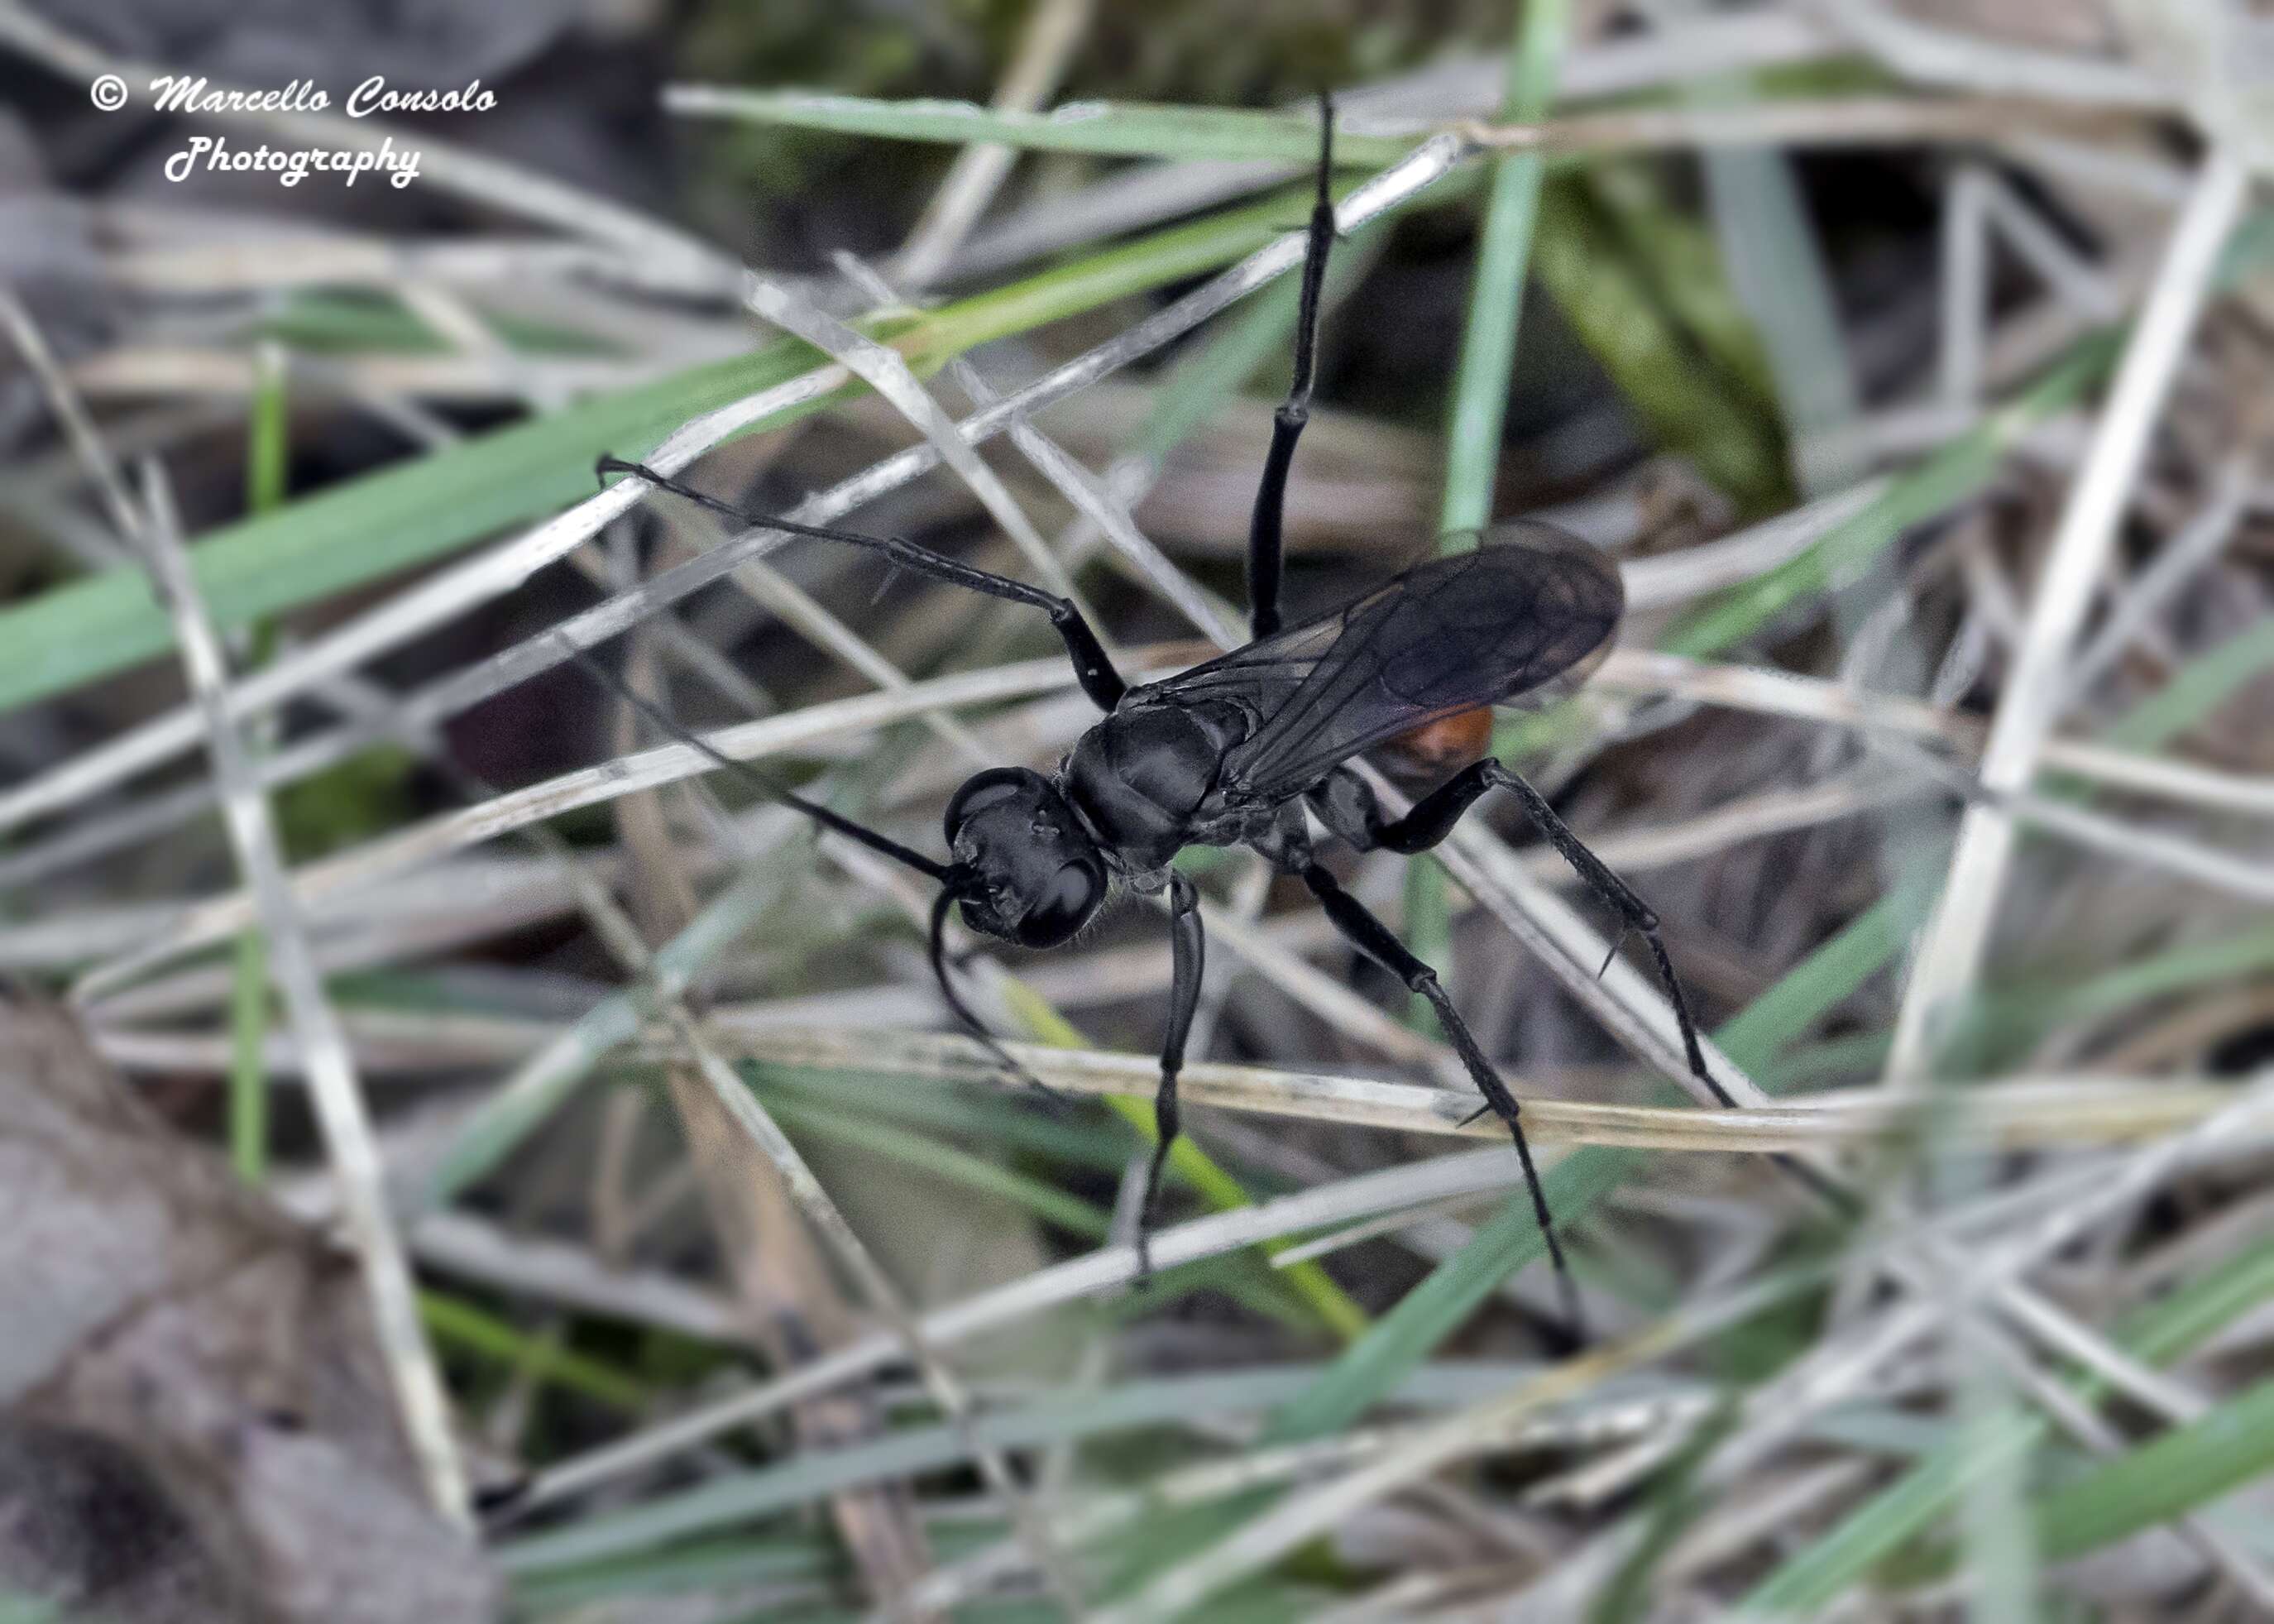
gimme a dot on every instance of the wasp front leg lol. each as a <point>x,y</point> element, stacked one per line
<point>1266,560</point>
<point>1188,947</point>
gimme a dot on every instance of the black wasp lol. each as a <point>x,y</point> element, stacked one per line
<point>1231,753</point>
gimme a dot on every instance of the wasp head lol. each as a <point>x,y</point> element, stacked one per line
<point>1025,870</point>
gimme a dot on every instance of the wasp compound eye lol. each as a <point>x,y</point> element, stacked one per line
<point>1065,906</point>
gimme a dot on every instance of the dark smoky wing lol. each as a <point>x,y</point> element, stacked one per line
<point>1483,628</point>
<point>1264,675</point>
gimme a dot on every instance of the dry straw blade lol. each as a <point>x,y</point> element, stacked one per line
<point>2013,1113</point>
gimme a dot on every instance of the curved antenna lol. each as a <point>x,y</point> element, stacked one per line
<point>953,878</point>
<point>948,896</point>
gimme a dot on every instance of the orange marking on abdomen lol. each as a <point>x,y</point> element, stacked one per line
<point>1449,742</point>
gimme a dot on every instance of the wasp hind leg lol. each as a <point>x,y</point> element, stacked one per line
<point>1345,804</point>
<point>1374,939</point>
<point>1347,807</point>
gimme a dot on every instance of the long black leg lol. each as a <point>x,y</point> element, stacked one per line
<point>1349,808</point>
<point>1099,680</point>
<point>1189,950</point>
<point>1346,804</point>
<point>1372,938</point>
<point>1265,551</point>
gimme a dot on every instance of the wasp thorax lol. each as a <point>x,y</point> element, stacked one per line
<point>1028,872</point>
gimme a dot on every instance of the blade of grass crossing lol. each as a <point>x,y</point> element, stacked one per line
<point>1953,474</point>
<point>1101,129</point>
<point>1422,1318</point>
<point>2011,1014</point>
<point>1442,1303</point>
<point>1201,381</point>
<point>1217,1187</point>
<point>1814,1577</point>
<point>414,512</point>
<point>1374,1365</point>
<point>2197,688</point>
<point>267,454</point>
<point>2166,1477</point>
<point>1480,383</point>
<point>460,1324</point>
<point>928,1154</point>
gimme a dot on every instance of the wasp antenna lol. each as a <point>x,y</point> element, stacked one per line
<point>963,1013</point>
<point>884,845</point>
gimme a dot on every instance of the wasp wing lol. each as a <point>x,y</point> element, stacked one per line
<point>1497,625</point>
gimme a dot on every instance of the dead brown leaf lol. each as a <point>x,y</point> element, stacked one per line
<point>193,1419</point>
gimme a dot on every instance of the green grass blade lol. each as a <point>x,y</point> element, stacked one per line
<point>1425,1315</point>
<point>2017,1013</point>
<point>1504,265</point>
<point>495,1127</point>
<point>1101,129</point>
<point>460,1324</point>
<point>1811,1579</point>
<point>364,530</point>
<point>1953,474</point>
<point>1481,385</point>
<point>1217,1187</point>
<point>2196,689</point>
<point>1442,1303</point>
<point>721,1565</point>
<point>2166,1477</point>
<point>1609,291</point>
<point>798,1479</point>
<point>415,512</point>
<point>928,1154</point>
<point>1688,275</point>
<point>998,1118</point>
<point>266,456</point>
